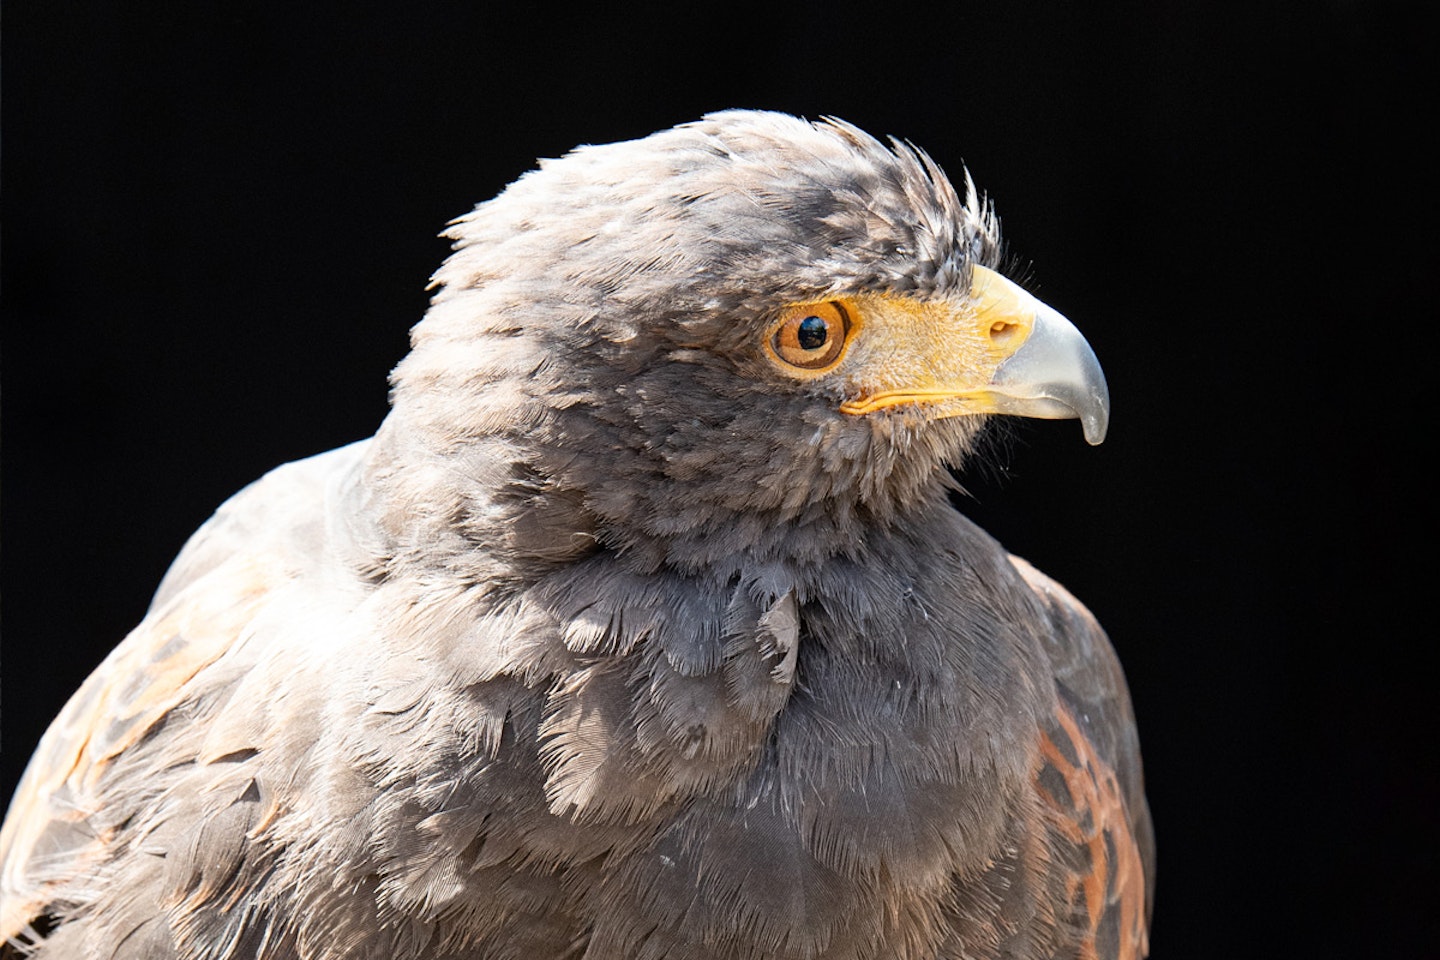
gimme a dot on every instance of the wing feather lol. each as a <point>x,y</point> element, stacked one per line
<point>57,827</point>
<point>96,784</point>
<point>1090,784</point>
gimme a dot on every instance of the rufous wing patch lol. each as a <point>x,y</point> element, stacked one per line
<point>1093,843</point>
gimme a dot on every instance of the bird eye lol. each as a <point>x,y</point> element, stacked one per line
<point>811,336</point>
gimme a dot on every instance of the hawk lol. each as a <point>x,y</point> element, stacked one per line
<point>643,627</point>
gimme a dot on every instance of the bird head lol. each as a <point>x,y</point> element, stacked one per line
<point>749,333</point>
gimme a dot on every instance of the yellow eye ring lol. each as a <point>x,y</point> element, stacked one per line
<point>811,336</point>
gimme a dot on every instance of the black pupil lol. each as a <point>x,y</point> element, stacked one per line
<point>812,333</point>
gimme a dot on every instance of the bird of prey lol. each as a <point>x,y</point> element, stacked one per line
<point>644,626</point>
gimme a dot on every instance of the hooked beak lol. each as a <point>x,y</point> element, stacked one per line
<point>1001,351</point>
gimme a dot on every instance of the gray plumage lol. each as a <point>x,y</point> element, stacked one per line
<point>615,641</point>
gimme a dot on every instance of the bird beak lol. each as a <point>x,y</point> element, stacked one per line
<point>1001,351</point>
<point>1054,374</point>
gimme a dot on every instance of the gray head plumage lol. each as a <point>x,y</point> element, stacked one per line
<point>595,335</point>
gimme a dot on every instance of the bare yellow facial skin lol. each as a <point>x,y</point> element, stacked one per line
<point>929,353</point>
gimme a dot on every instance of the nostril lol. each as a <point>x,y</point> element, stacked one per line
<point>1002,332</point>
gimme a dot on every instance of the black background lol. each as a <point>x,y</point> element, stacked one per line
<point>218,227</point>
